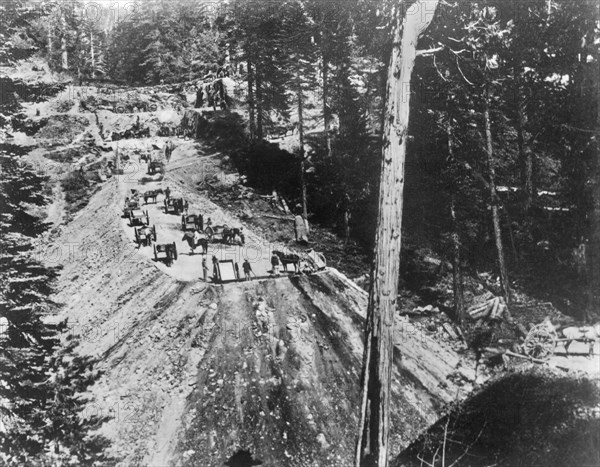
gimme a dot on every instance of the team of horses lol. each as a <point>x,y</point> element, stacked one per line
<point>194,233</point>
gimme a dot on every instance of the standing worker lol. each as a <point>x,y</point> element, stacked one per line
<point>247,269</point>
<point>205,269</point>
<point>169,148</point>
<point>215,261</point>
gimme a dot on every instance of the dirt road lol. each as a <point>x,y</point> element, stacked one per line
<point>188,156</point>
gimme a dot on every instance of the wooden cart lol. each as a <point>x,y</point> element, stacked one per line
<point>139,218</point>
<point>145,235</point>
<point>165,252</point>
<point>191,222</point>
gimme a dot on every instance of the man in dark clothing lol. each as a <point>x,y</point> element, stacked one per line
<point>205,269</point>
<point>199,98</point>
<point>247,270</point>
<point>215,261</point>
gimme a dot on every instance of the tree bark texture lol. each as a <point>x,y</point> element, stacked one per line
<point>373,441</point>
<point>302,161</point>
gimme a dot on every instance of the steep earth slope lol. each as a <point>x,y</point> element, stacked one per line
<point>193,372</point>
<point>190,372</point>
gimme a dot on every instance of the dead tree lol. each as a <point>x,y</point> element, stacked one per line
<point>372,446</point>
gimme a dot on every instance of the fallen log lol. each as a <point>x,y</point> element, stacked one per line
<point>524,357</point>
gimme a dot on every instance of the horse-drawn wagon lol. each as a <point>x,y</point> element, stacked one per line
<point>224,234</point>
<point>155,167</point>
<point>175,206</point>
<point>130,205</point>
<point>542,340</point>
<point>145,157</point>
<point>137,218</point>
<point>144,236</point>
<point>166,252</point>
<point>287,259</point>
<point>192,222</point>
<point>152,195</point>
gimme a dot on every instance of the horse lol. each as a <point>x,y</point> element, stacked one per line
<point>152,195</point>
<point>193,244</point>
<point>289,258</point>
<point>589,334</point>
<point>230,234</point>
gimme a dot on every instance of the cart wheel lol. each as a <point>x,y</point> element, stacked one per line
<point>155,254</point>
<point>540,343</point>
<point>154,232</point>
<point>209,232</point>
<point>174,251</point>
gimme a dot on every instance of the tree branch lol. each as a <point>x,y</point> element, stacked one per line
<point>427,52</point>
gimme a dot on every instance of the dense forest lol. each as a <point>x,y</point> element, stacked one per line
<point>502,171</point>
<point>521,197</point>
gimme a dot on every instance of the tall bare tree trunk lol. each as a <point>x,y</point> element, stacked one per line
<point>63,44</point>
<point>64,53</point>
<point>326,113</point>
<point>50,44</point>
<point>373,439</point>
<point>259,105</point>
<point>251,101</point>
<point>93,53</point>
<point>457,278</point>
<point>494,199</point>
<point>302,162</point>
<point>347,214</point>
